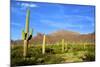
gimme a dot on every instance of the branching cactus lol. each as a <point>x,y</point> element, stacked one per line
<point>26,35</point>
<point>63,45</point>
<point>43,46</point>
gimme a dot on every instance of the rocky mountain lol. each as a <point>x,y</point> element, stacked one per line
<point>58,35</point>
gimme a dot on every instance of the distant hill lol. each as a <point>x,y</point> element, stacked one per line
<point>58,35</point>
<point>64,33</point>
<point>89,37</point>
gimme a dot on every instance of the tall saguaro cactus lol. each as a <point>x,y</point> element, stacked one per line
<point>26,35</point>
<point>43,46</point>
<point>62,45</point>
<point>66,46</point>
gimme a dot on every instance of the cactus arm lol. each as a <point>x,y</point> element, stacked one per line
<point>30,35</point>
<point>31,31</point>
<point>29,38</point>
<point>23,34</point>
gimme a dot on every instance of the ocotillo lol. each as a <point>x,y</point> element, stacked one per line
<point>43,46</point>
<point>26,35</point>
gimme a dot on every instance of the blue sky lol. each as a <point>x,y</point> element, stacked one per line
<point>47,18</point>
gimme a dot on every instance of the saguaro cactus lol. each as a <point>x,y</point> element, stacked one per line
<point>66,46</point>
<point>26,35</point>
<point>43,46</point>
<point>62,45</point>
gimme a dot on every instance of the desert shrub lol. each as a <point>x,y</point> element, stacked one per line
<point>50,50</point>
<point>22,62</point>
<point>54,49</point>
<point>34,52</point>
<point>52,59</point>
<point>90,48</point>
<point>53,54</point>
<point>89,56</point>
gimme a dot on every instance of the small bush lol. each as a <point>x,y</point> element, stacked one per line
<point>89,56</point>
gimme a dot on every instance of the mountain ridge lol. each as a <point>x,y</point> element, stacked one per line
<point>58,35</point>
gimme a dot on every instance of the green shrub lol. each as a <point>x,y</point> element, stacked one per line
<point>89,56</point>
<point>53,54</point>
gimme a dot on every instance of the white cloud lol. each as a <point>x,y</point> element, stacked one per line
<point>59,24</point>
<point>16,24</point>
<point>79,17</point>
<point>28,5</point>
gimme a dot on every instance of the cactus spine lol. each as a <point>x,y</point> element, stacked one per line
<point>26,36</point>
<point>43,46</point>
<point>62,45</point>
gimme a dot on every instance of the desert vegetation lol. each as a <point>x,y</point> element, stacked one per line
<point>72,52</point>
<point>58,47</point>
